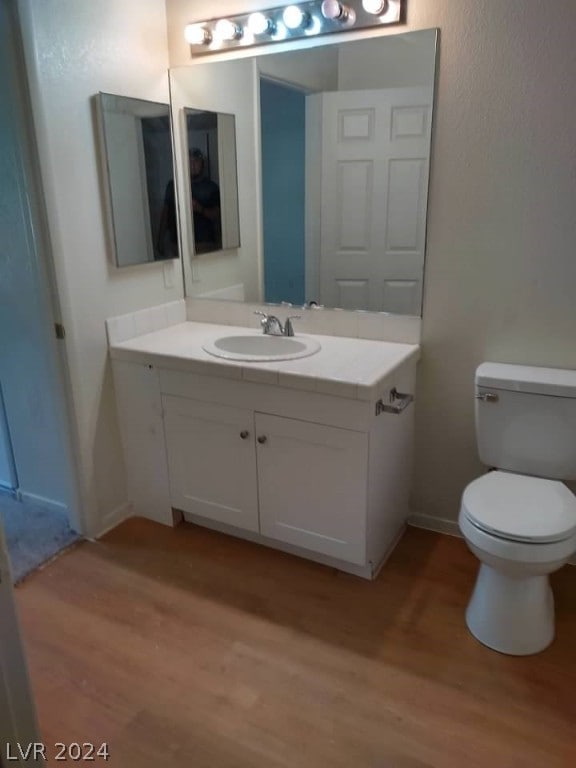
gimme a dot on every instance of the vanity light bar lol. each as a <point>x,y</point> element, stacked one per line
<point>291,22</point>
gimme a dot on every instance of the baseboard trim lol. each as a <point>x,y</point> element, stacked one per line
<point>42,501</point>
<point>438,524</point>
<point>112,519</point>
<point>449,527</point>
<point>396,540</point>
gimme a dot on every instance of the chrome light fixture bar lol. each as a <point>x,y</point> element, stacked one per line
<point>298,21</point>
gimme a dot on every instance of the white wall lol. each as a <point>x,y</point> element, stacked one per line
<point>127,172</point>
<point>500,274</point>
<point>75,48</point>
<point>318,71</point>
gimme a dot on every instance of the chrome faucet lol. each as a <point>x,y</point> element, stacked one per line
<point>272,326</point>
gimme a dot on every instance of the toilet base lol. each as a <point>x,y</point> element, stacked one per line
<point>511,614</point>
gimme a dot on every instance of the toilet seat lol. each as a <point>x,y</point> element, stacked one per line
<point>520,508</point>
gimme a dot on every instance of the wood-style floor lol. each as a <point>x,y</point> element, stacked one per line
<point>189,648</point>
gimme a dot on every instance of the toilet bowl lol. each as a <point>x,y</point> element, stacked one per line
<point>521,528</point>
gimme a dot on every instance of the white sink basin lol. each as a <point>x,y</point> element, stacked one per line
<point>261,348</point>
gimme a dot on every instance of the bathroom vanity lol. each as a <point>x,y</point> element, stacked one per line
<point>311,455</point>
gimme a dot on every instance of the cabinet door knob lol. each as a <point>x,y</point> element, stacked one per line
<point>244,434</point>
<point>262,439</point>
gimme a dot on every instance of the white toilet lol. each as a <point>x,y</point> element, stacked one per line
<point>520,520</point>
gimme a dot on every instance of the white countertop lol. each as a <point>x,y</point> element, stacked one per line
<point>344,367</point>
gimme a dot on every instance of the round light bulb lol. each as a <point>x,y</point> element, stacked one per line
<point>295,17</point>
<point>259,24</point>
<point>376,7</point>
<point>314,27</point>
<point>227,30</point>
<point>332,9</point>
<point>196,34</point>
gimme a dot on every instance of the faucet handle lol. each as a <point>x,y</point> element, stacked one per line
<point>264,320</point>
<point>288,329</point>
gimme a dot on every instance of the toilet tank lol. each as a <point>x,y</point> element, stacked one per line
<point>526,419</point>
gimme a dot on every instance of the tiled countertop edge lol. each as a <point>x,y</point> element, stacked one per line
<point>239,371</point>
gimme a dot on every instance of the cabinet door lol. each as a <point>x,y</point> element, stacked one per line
<point>212,461</point>
<point>312,484</point>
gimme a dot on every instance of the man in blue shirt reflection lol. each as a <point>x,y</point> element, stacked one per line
<point>205,195</point>
<point>205,205</point>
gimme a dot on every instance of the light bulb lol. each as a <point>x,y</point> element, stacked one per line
<point>227,30</point>
<point>259,24</point>
<point>332,9</point>
<point>295,17</point>
<point>314,27</point>
<point>196,34</point>
<point>376,7</point>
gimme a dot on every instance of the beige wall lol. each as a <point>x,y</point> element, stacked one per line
<point>404,62</point>
<point>317,71</point>
<point>73,50</point>
<point>501,271</point>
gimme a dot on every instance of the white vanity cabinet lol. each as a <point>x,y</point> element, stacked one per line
<point>300,483</point>
<point>321,476</point>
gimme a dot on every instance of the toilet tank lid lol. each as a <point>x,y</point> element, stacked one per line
<point>558,382</point>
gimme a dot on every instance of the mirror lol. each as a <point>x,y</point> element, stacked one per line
<point>211,157</point>
<point>139,174</point>
<point>333,164</point>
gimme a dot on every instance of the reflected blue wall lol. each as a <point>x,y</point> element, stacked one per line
<point>283,113</point>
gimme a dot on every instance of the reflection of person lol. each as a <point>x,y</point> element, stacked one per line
<point>167,240</point>
<point>205,205</point>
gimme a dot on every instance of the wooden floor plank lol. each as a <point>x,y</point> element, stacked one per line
<point>186,647</point>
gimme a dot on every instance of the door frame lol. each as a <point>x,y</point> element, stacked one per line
<point>40,258</point>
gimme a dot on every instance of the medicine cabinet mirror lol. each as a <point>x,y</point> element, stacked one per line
<point>138,171</point>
